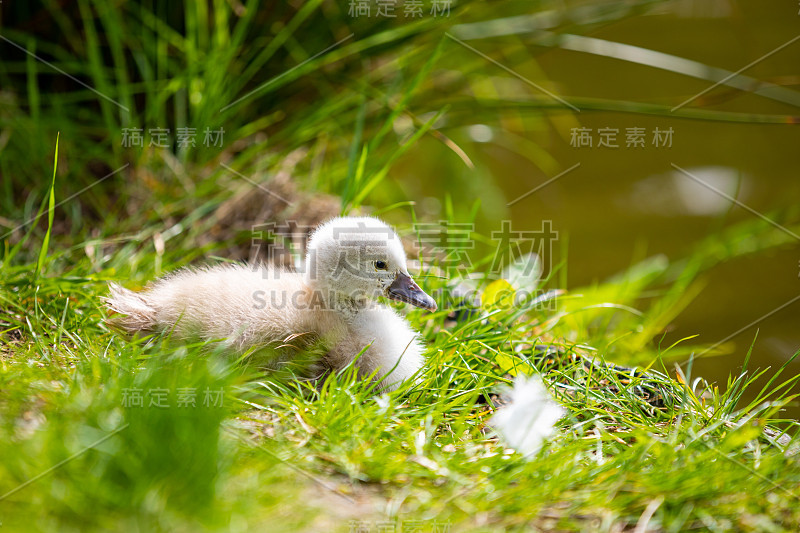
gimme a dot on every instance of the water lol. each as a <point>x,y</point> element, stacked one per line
<point>623,201</point>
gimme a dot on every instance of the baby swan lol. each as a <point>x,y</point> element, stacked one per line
<point>350,262</point>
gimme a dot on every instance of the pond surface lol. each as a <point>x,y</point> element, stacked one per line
<point>627,202</point>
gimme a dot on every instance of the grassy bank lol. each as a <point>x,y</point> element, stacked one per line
<point>98,432</point>
<point>102,433</point>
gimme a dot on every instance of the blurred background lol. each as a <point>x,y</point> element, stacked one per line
<point>661,129</point>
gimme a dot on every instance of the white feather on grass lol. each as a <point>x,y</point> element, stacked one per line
<point>529,417</point>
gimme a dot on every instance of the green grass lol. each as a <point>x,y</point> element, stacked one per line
<point>255,451</point>
<point>278,454</point>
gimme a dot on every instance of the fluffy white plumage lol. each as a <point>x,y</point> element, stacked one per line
<point>529,418</point>
<point>350,262</point>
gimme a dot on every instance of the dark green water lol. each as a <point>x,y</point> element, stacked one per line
<point>624,201</point>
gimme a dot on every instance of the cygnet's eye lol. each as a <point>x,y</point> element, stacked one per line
<point>381,265</point>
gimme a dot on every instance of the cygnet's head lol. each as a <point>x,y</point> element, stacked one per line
<point>361,258</point>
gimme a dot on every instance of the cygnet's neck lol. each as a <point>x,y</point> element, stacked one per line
<point>348,306</point>
<point>334,300</point>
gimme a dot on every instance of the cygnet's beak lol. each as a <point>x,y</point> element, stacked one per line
<point>404,289</point>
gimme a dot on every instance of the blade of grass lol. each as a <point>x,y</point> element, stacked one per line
<point>51,207</point>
